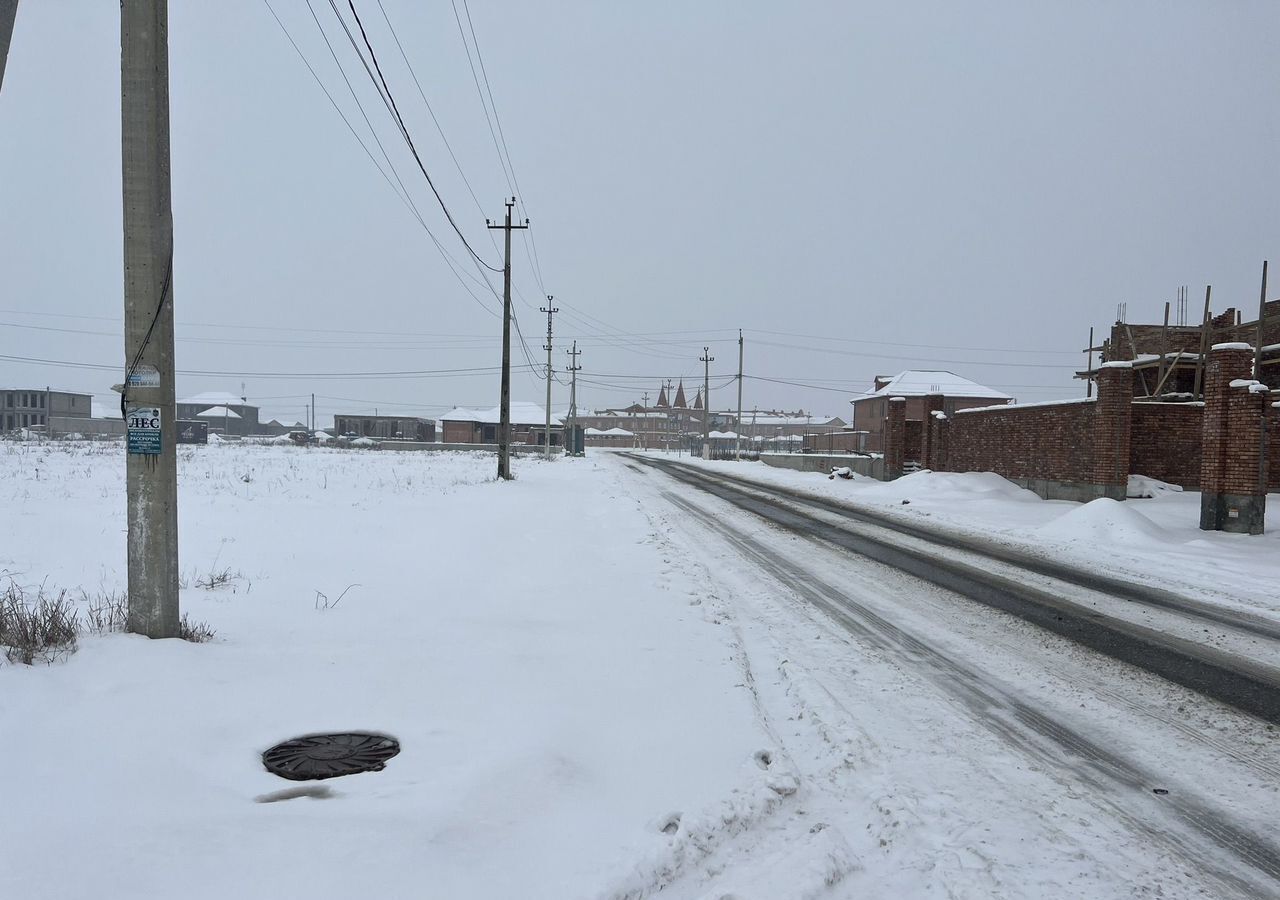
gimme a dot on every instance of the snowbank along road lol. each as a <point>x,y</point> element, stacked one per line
<point>1186,773</point>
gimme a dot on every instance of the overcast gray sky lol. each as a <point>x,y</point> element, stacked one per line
<point>986,179</point>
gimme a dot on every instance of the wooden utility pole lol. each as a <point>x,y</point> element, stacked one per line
<point>8,13</point>
<point>1257,374</point>
<point>147,395</point>
<point>550,311</point>
<point>571,425</point>
<point>1164,348</point>
<point>504,402</point>
<point>706,359</point>
<point>737,425</point>
<point>1262,315</point>
<point>1088,390</point>
<point>1205,327</point>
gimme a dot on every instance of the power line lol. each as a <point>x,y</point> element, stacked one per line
<point>506,164</point>
<point>404,197</point>
<point>420,373</point>
<point>404,130</point>
<point>923,360</point>
<point>817,337</point>
<point>432,112</point>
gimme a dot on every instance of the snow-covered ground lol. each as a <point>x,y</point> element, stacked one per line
<point>596,697</point>
<point>1155,540</point>
<point>558,692</point>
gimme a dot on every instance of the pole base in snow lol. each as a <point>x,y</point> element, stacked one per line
<point>1235,513</point>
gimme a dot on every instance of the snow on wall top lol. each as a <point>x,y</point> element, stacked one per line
<point>1017,406</point>
<point>921,382</point>
<point>1255,387</point>
<point>522,413</point>
<point>1233,345</point>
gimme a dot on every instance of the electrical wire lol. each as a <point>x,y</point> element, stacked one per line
<point>404,129</point>
<point>403,193</point>
<point>418,373</point>
<point>817,337</point>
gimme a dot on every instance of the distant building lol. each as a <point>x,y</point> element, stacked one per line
<point>225,413</point>
<point>35,407</point>
<point>780,427</point>
<point>403,428</point>
<point>480,426</point>
<point>609,437</point>
<point>651,429</point>
<point>871,409</point>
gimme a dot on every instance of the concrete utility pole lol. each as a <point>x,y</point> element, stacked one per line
<point>550,311</point>
<point>8,13</point>
<point>737,426</point>
<point>504,416</point>
<point>147,395</point>
<point>666,445</point>
<point>706,359</point>
<point>573,394</point>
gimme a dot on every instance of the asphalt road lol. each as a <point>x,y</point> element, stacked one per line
<point>1189,825</point>
<point>1248,685</point>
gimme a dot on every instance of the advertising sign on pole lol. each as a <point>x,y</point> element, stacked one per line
<point>142,427</point>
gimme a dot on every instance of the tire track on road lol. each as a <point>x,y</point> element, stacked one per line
<point>1052,743</point>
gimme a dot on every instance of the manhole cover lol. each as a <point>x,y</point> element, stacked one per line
<point>330,755</point>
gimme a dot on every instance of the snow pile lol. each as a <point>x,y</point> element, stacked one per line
<point>1105,521</point>
<point>1143,487</point>
<point>949,486</point>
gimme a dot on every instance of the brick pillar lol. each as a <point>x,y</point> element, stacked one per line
<point>928,449</point>
<point>1112,427</point>
<point>895,437</point>
<point>1232,497</point>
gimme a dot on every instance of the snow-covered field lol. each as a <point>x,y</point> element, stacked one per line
<point>1155,540</point>
<point>596,697</point>
<point>558,692</point>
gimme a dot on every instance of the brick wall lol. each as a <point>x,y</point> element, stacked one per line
<point>1165,442</point>
<point>894,437</point>
<point>1230,432</point>
<point>459,432</point>
<point>1273,448</point>
<point>1045,442</point>
<point>1076,449</point>
<point>912,441</point>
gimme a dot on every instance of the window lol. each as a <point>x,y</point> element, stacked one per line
<point>26,420</point>
<point>42,401</point>
<point>9,400</point>
<point>73,402</point>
